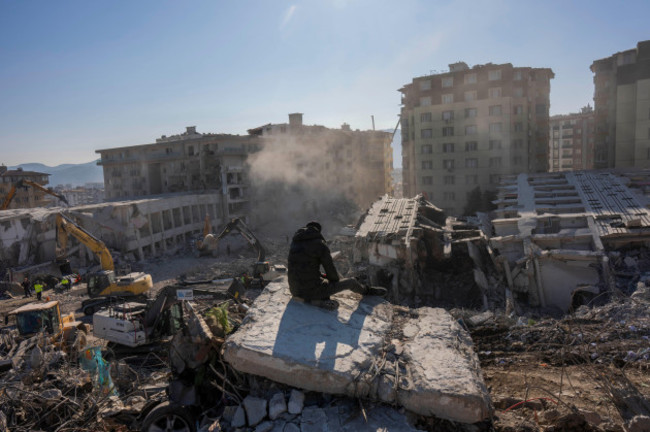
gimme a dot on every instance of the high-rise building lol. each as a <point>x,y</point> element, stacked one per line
<point>622,106</point>
<point>464,128</point>
<point>571,141</point>
<point>188,162</point>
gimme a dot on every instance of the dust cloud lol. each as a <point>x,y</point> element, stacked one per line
<point>295,179</point>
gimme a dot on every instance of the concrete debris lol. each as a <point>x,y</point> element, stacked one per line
<point>296,402</point>
<point>344,352</point>
<point>277,406</point>
<point>255,410</point>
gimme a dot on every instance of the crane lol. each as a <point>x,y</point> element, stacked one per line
<point>24,183</point>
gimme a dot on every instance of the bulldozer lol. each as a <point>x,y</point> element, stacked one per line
<point>104,286</point>
<point>63,331</point>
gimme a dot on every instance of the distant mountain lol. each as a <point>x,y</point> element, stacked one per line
<point>72,174</point>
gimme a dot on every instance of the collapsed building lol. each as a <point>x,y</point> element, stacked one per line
<point>136,229</point>
<point>421,255</point>
<point>554,233</point>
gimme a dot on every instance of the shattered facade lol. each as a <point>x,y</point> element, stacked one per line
<point>412,248</point>
<point>571,141</point>
<point>26,197</point>
<point>553,231</point>
<point>188,162</point>
<point>134,229</point>
<point>467,127</point>
<point>622,105</point>
<point>356,163</point>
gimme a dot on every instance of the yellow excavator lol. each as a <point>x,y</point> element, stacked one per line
<point>104,286</point>
<point>24,183</point>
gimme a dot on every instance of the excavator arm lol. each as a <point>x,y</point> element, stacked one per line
<point>239,225</point>
<point>46,190</point>
<point>22,183</point>
<point>66,227</point>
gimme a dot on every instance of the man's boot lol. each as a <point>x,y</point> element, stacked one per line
<point>376,291</point>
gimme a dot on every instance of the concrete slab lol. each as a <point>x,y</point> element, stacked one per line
<point>351,351</point>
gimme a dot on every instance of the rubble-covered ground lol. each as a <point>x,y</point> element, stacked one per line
<point>586,371</point>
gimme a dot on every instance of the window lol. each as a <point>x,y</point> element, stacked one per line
<point>495,110</point>
<point>517,75</point>
<point>495,162</point>
<point>518,109</point>
<point>540,109</point>
<point>471,163</point>
<point>425,101</point>
<point>448,163</point>
<point>449,179</point>
<point>518,92</point>
<point>471,179</point>
<point>427,180</point>
<point>519,127</point>
<point>471,146</point>
<point>495,178</point>
<point>448,131</point>
<point>448,98</point>
<point>447,115</point>
<point>517,160</point>
<point>425,117</point>
<point>495,144</point>
<point>427,148</point>
<point>449,196</point>
<point>425,85</point>
<point>447,82</point>
<point>426,133</point>
<point>494,92</point>
<point>448,148</point>
<point>496,127</point>
<point>470,112</point>
<point>494,75</point>
<point>470,130</point>
<point>470,95</point>
<point>518,143</point>
<point>470,78</point>
<point>427,165</point>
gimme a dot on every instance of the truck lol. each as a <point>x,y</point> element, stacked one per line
<point>104,286</point>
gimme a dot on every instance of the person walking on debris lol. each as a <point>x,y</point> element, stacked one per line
<point>27,287</point>
<point>38,287</point>
<point>307,253</point>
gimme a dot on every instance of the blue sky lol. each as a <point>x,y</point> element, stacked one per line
<point>76,76</point>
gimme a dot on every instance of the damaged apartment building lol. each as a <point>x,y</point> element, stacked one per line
<point>357,164</point>
<point>555,233</point>
<point>423,256</point>
<point>158,194</point>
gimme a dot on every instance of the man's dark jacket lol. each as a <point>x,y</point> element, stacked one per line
<point>307,253</point>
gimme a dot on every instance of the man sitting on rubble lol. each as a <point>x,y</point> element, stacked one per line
<point>308,252</point>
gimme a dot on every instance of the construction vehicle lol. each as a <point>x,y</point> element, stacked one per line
<point>262,270</point>
<point>24,183</point>
<point>34,318</point>
<point>134,324</point>
<point>104,286</point>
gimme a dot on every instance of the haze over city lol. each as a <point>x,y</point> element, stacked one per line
<point>81,76</point>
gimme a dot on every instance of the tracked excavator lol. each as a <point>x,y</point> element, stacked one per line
<point>134,325</point>
<point>262,270</point>
<point>104,286</point>
<point>24,183</point>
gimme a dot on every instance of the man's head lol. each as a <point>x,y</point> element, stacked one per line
<point>314,224</point>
